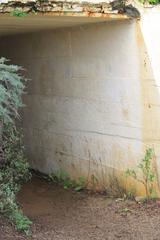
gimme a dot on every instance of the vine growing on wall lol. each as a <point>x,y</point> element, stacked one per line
<point>14,168</point>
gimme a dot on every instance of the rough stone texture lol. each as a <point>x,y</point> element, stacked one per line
<point>117,6</point>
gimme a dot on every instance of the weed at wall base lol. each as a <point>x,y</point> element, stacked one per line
<point>148,177</point>
<point>64,179</point>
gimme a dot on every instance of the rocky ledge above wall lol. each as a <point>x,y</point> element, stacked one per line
<point>70,7</point>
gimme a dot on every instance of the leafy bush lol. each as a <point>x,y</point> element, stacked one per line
<point>14,168</point>
<point>148,175</point>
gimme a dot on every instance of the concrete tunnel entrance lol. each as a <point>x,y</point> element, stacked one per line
<point>79,110</point>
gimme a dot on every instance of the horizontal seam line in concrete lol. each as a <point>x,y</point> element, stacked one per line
<point>74,97</point>
<point>95,132</point>
<point>105,134</point>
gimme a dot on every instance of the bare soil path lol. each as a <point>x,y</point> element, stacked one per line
<point>60,214</point>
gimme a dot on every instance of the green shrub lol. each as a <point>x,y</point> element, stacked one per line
<point>14,169</point>
<point>146,168</point>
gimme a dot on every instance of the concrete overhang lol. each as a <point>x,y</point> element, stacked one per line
<point>15,25</point>
<point>28,15</point>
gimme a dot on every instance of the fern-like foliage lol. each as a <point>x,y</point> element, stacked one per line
<point>14,169</point>
<point>11,89</point>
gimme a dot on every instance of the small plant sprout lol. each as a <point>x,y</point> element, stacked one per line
<point>125,210</point>
<point>148,176</point>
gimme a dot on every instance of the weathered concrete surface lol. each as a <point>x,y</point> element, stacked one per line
<point>93,102</point>
<point>34,23</point>
<point>84,108</point>
<point>151,38</point>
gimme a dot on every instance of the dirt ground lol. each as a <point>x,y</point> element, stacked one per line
<point>60,214</point>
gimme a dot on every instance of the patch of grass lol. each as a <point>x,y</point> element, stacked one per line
<point>18,13</point>
<point>64,179</point>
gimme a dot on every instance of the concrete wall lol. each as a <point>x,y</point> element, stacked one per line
<point>150,31</point>
<point>88,107</point>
